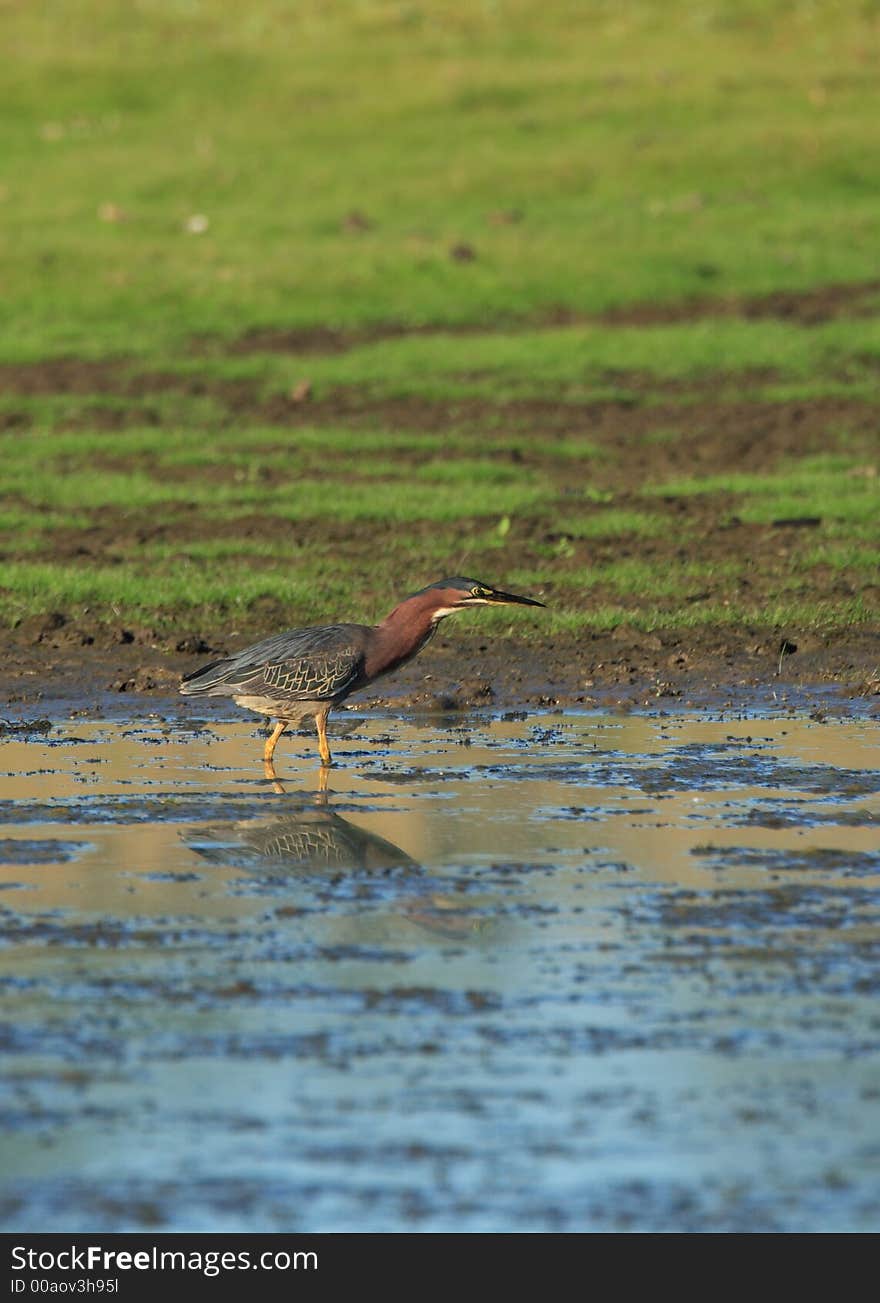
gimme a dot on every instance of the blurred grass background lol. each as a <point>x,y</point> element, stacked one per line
<point>589,154</point>
<point>176,175</point>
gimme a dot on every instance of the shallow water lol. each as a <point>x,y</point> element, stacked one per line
<point>563,972</point>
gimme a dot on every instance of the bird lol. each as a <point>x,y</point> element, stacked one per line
<point>305,673</point>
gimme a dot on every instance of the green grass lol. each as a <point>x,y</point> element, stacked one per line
<point>588,155</point>
<point>631,577</point>
<point>33,588</point>
<point>434,495</point>
<point>849,556</point>
<point>575,362</point>
<point>655,152</point>
<point>791,614</point>
<point>612,522</point>
<point>834,488</point>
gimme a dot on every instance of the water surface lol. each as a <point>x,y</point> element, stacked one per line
<point>561,972</point>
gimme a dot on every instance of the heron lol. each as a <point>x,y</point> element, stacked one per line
<point>305,673</point>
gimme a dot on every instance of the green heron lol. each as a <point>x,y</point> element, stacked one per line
<point>304,673</point>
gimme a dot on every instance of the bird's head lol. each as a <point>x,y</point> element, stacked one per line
<point>450,595</point>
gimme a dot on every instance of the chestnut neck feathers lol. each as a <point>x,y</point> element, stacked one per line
<point>404,632</point>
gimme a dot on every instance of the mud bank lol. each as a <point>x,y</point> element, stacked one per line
<point>625,667</point>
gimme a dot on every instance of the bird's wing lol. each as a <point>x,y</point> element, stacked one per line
<point>301,665</point>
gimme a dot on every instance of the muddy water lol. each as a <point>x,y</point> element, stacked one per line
<point>546,973</point>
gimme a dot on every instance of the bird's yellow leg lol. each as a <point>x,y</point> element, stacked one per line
<point>323,747</point>
<point>269,748</point>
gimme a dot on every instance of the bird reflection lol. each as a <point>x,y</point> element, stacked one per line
<point>311,839</point>
<point>318,838</point>
<point>278,786</point>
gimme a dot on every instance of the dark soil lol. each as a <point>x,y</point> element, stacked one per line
<point>803,307</point>
<point>625,668</point>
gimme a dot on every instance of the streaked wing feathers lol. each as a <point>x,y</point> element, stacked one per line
<point>315,677</point>
<point>302,665</point>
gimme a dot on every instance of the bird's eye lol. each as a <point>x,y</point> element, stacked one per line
<point>479,592</point>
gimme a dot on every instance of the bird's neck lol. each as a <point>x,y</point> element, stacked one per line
<point>400,636</point>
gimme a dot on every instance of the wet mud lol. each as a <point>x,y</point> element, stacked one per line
<point>510,972</point>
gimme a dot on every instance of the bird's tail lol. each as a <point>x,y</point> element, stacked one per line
<point>205,680</point>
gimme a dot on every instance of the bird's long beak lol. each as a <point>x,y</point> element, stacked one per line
<point>511,599</point>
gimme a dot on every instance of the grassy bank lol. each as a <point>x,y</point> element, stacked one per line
<point>173,169</point>
<point>306,305</point>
